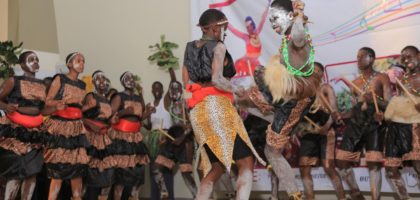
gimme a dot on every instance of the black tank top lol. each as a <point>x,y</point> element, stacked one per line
<point>198,61</point>
<point>27,92</point>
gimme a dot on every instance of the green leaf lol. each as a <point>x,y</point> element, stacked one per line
<point>9,56</point>
<point>136,78</point>
<point>163,55</point>
<point>162,39</point>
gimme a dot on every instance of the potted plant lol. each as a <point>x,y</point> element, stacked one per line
<point>9,56</point>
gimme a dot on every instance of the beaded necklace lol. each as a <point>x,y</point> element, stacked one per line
<point>174,115</point>
<point>309,62</point>
<point>366,84</point>
<point>408,85</point>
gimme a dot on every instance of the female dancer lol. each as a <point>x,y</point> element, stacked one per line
<point>22,98</point>
<point>65,155</point>
<point>97,112</point>
<point>131,153</point>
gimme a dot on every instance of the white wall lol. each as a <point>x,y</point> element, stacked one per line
<point>33,22</point>
<point>114,35</point>
<point>4,18</point>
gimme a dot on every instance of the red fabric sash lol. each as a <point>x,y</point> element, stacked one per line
<point>27,121</point>
<point>127,126</point>
<point>99,124</point>
<point>199,93</point>
<point>69,113</point>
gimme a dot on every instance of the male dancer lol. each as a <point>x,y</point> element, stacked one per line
<point>320,143</point>
<point>410,57</point>
<point>288,83</point>
<point>402,116</point>
<point>216,124</point>
<point>181,149</point>
<point>363,125</point>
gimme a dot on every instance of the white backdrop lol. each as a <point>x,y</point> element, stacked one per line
<point>338,29</point>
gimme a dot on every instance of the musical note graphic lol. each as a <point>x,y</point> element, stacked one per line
<point>363,23</point>
<point>391,5</point>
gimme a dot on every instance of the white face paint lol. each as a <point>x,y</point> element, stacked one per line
<point>280,20</point>
<point>32,62</point>
<point>78,62</point>
<point>78,67</point>
<point>175,91</point>
<point>222,34</point>
<point>128,81</point>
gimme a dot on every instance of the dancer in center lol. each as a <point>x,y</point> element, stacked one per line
<point>287,86</point>
<point>217,126</point>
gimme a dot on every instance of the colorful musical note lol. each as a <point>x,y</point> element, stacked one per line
<point>363,23</point>
<point>391,6</point>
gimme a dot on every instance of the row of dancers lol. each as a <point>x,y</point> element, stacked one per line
<point>94,139</point>
<point>83,138</point>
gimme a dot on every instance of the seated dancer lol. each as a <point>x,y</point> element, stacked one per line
<point>363,125</point>
<point>162,180</point>
<point>131,153</point>
<point>97,112</point>
<point>22,98</point>
<point>287,86</point>
<point>402,116</point>
<point>65,154</point>
<point>216,124</point>
<point>319,142</point>
<point>404,131</point>
<point>180,150</point>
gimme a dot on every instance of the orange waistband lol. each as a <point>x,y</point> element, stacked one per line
<point>99,124</point>
<point>199,93</point>
<point>27,121</point>
<point>127,126</point>
<point>69,113</point>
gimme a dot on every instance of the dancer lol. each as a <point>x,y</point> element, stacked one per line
<point>126,138</point>
<point>160,119</point>
<point>182,148</point>
<point>289,83</point>
<point>97,112</point>
<point>363,125</point>
<point>399,134</point>
<point>217,127</point>
<point>320,143</point>
<point>410,58</point>
<point>22,98</point>
<point>65,154</point>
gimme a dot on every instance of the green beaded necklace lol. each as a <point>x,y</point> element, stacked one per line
<point>310,61</point>
<point>173,114</point>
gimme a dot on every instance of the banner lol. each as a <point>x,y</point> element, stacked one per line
<point>338,29</point>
